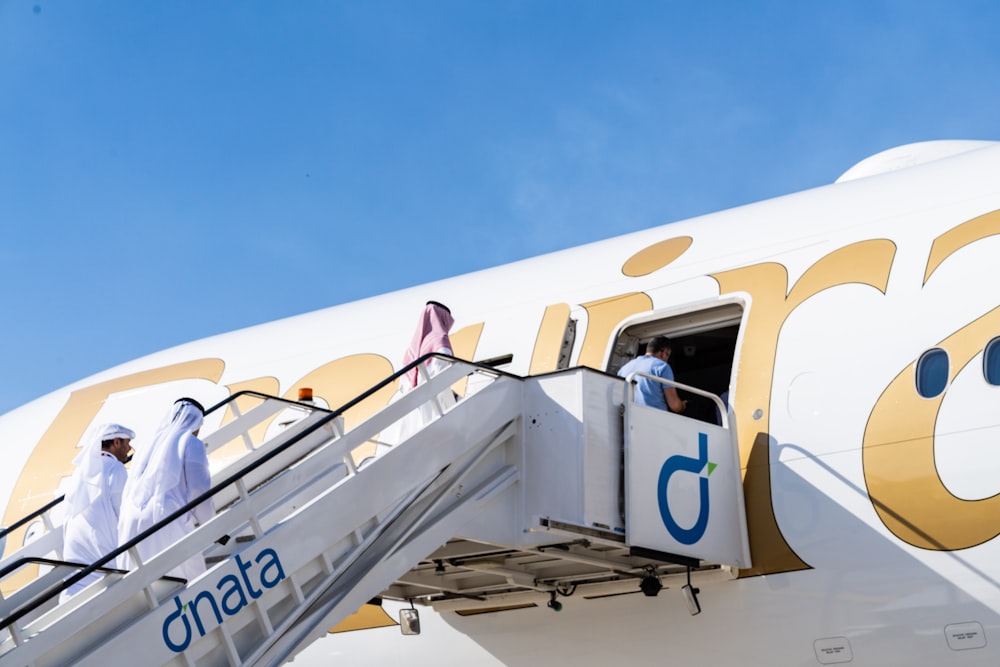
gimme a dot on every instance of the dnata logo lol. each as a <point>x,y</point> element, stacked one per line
<point>686,464</point>
<point>233,592</point>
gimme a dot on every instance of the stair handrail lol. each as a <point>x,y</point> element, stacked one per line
<point>55,590</point>
<point>30,517</point>
<point>56,501</point>
<point>439,493</point>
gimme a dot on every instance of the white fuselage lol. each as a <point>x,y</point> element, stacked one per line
<point>872,528</point>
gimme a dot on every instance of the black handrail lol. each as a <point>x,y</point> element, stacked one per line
<point>28,519</point>
<point>42,598</point>
<point>38,560</point>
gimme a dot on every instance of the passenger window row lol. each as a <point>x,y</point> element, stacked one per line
<point>932,369</point>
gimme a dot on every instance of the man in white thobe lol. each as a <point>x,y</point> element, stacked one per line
<point>431,336</point>
<point>164,477</point>
<point>93,500</point>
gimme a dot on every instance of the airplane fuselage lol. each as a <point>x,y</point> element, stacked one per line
<point>870,482</point>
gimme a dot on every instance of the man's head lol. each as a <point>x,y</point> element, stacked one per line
<point>659,347</point>
<point>117,440</point>
<point>193,402</point>
<point>189,414</point>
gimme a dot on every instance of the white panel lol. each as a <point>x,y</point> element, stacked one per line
<point>553,438</point>
<point>684,494</point>
<point>573,449</point>
<point>603,451</point>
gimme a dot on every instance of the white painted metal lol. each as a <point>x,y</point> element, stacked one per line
<point>834,355</point>
<point>312,538</point>
<point>573,452</point>
<point>684,487</point>
<point>307,543</point>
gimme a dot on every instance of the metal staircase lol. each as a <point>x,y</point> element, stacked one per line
<point>324,537</point>
<point>520,469</point>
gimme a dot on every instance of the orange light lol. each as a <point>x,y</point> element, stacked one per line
<point>305,394</point>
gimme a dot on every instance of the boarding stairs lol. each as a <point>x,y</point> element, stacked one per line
<point>304,536</point>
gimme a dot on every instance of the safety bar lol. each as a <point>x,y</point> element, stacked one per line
<point>630,392</point>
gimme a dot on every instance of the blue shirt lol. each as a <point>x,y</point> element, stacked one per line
<point>649,392</point>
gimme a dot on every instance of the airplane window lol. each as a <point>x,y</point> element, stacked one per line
<point>991,361</point>
<point>932,373</point>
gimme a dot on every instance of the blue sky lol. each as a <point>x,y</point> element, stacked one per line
<point>172,170</point>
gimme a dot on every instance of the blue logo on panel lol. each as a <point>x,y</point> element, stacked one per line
<point>234,594</point>
<point>686,464</point>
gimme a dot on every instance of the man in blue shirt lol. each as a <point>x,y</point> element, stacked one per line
<point>654,362</point>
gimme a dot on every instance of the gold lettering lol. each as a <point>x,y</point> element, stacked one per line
<point>898,450</point>
<point>369,616</point>
<point>957,238</point>
<point>236,447</point>
<point>464,343</point>
<point>865,263</point>
<point>603,316</point>
<point>656,256</point>
<point>52,458</point>
<point>548,343</point>
<point>340,380</point>
<point>898,454</point>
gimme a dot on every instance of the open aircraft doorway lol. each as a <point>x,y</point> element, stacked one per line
<point>703,350</point>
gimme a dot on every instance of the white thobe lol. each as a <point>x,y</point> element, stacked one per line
<point>93,533</point>
<point>416,419</point>
<point>193,479</point>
